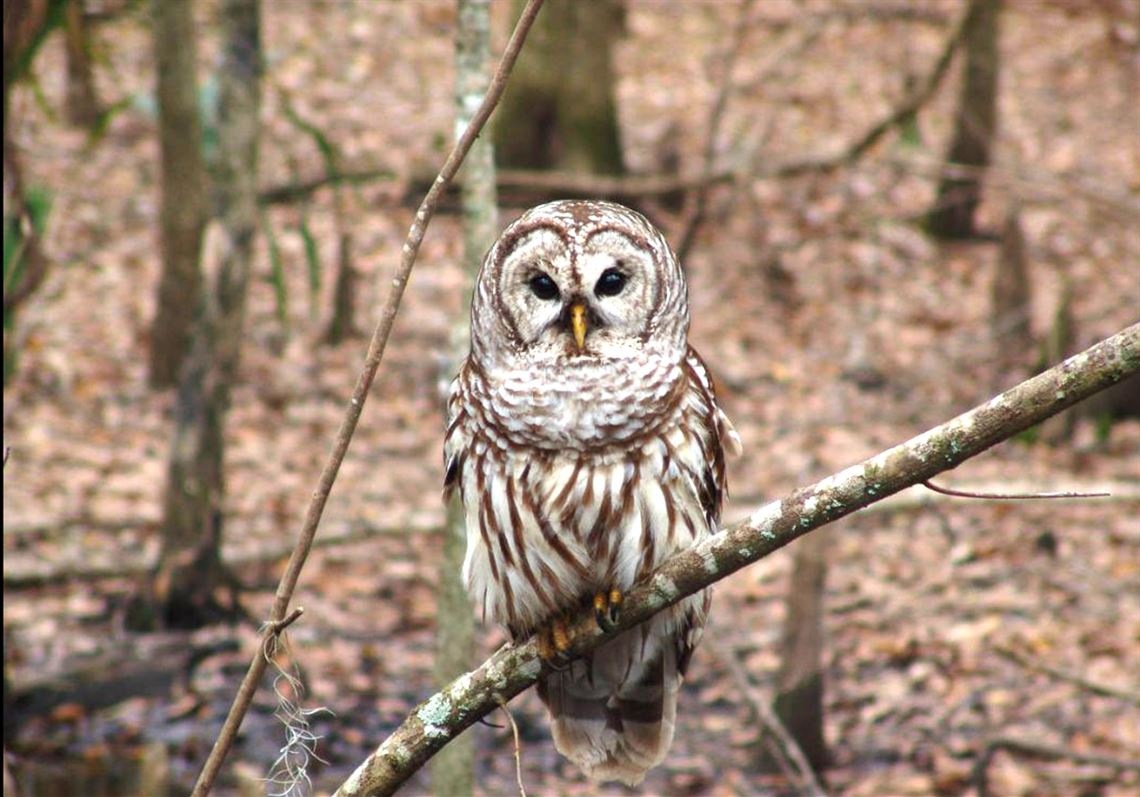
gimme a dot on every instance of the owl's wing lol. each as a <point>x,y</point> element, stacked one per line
<point>719,438</point>
<point>456,439</point>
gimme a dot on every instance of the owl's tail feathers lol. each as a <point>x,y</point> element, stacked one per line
<point>614,733</point>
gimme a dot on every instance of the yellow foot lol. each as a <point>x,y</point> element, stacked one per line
<point>607,606</point>
<point>554,641</point>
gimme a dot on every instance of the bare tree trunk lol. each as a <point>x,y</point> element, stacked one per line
<point>958,197</point>
<point>82,100</point>
<point>452,774</point>
<point>343,322</point>
<point>559,110</point>
<point>26,208</point>
<point>1010,302</point>
<point>799,696</point>
<point>184,209</point>
<point>189,572</point>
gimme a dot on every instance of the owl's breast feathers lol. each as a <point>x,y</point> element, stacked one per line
<point>572,490</point>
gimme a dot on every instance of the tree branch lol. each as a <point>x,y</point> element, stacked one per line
<point>514,668</point>
<point>910,105</point>
<point>783,747</point>
<point>1046,752</point>
<point>359,394</point>
<point>1104,690</point>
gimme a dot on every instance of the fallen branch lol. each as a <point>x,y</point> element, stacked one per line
<point>909,106</point>
<point>1104,690</point>
<point>287,193</point>
<point>513,668</point>
<point>372,361</point>
<point>785,749</point>
<point>137,665</point>
<point>1042,751</point>
<point>130,564</point>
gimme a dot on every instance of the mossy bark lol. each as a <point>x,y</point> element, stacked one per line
<point>453,771</point>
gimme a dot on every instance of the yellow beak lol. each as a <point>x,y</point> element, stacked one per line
<point>578,325</point>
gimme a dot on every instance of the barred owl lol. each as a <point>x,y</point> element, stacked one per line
<point>586,443</point>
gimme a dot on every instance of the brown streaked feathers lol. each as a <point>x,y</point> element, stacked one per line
<point>582,467</point>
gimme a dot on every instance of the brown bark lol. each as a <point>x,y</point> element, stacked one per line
<point>82,100</point>
<point>452,774</point>
<point>559,111</point>
<point>952,216</point>
<point>799,684</point>
<point>26,24</point>
<point>342,325</point>
<point>183,188</point>
<point>1010,301</point>
<point>190,573</point>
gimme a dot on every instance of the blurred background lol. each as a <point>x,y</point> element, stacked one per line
<point>887,211</point>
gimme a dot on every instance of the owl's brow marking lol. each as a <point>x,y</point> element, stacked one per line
<point>522,229</point>
<point>640,241</point>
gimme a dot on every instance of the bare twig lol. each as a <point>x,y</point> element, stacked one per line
<point>918,500</point>
<point>1104,690</point>
<point>126,564</point>
<point>360,394</point>
<point>275,629</point>
<point>929,485</point>
<point>513,668</point>
<point>604,186</point>
<point>1109,199</point>
<point>699,202</point>
<point>1042,751</point>
<point>909,106</point>
<point>287,193</point>
<point>917,13</point>
<point>518,746</point>
<point>785,749</point>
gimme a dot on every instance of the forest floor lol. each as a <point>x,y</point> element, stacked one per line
<point>835,329</point>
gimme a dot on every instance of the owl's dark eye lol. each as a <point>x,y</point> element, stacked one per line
<point>610,283</point>
<point>542,286</point>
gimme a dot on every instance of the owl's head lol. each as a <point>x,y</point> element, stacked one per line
<point>578,281</point>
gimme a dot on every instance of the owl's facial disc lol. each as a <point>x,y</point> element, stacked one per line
<point>594,292</point>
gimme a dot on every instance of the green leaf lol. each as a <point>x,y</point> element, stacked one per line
<point>329,151</point>
<point>276,274</point>
<point>313,260</point>
<point>909,132</point>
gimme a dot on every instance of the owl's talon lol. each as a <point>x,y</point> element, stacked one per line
<point>553,642</point>
<point>607,606</point>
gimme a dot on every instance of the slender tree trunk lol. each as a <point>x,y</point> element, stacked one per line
<point>26,208</point>
<point>184,209</point>
<point>1011,303</point>
<point>343,322</point>
<point>799,695</point>
<point>974,124</point>
<point>189,573</point>
<point>82,101</point>
<point>558,111</point>
<point>452,774</point>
